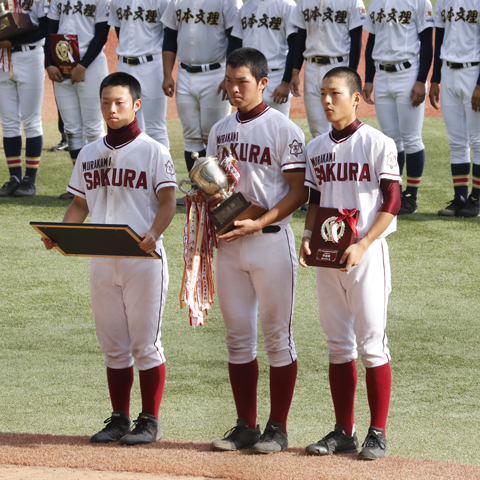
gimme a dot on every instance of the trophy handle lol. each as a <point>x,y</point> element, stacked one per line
<point>182,182</point>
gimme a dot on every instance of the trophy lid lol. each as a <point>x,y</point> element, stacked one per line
<point>200,162</point>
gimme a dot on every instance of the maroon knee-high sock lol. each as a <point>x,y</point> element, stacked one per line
<point>282,385</point>
<point>120,381</point>
<point>244,379</point>
<point>379,386</point>
<point>343,384</point>
<point>152,383</point>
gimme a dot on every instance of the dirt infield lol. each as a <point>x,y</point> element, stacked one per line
<point>297,110</point>
<point>48,457</point>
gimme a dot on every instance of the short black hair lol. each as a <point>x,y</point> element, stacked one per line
<point>251,58</point>
<point>121,79</point>
<point>351,77</point>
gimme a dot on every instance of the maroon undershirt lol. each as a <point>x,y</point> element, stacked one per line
<point>252,113</point>
<point>390,189</point>
<point>119,136</point>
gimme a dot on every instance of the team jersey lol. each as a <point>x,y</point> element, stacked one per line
<point>201,26</point>
<point>141,31</point>
<point>396,25</point>
<point>79,18</point>
<point>328,23</point>
<point>347,173</point>
<point>120,184</point>
<point>459,18</point>
<point>265,146</point>
<point>36,10</point>
<point>265,25</point>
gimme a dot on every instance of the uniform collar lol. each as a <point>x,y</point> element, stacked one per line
<point>252,113</point>
<point>347,131</point>
<point>119,136</point>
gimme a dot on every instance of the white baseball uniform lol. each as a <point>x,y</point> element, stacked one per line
<point>396,26</point>
<point>258,272</point>
<point>202,42</point>
<point>461,46</point>
<point>140,54</point>
<point>128,295</point>
<point>79,104</point>
<point>353,305</point>
<point>328,24</point>
<point>265,25</point>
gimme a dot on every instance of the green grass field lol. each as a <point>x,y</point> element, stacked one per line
<point>52,376</point>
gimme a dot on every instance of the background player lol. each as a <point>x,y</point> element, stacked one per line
<point>327,37</point>
<point>140,35</point>
<point>128,295</point>
<point>197,33</point>
<point>353,300</point>
<point>457,65</point>
<point>21,97</point>
<point>256,262</point>
<point>77,98</point>
<point>400,47</point>
<point>266,26</point>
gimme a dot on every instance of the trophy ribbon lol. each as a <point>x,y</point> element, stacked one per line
<point>73,41</point>
<point>349,215</point>
<point>199,241</point>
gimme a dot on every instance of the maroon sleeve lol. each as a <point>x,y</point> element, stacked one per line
<point>314,197</point>
<point>391,196</point>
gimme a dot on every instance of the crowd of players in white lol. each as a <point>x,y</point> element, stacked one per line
<point>200,33</point>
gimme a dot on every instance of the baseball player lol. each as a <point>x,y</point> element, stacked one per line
<point>457,65</point>
<point>400,49</point>
<point>140,36</point>
<point>77,97</point>
<point>256,262</point>
<point>21,96</point>
<point>266,26</point>
<point>127,178</point>
<point>354,167</point>
<point>329,35</point>
<point>197,34</point>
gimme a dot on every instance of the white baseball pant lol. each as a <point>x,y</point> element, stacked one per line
<point>22,94</point>
<point>198,105</point>
<point>152,116</point>
<point>353,308</point>
<point>258,273</point>
<point>274,80</point>
<point>317,122</point>
<point>79,105</point>
<point>128,297</point>
<point>461,122</point>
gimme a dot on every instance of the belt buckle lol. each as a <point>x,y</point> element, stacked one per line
<point>390,67</point>
<point>319,61</point>
<point>131,60</point>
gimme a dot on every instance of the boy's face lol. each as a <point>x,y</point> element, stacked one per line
<point>243,90</point>
<point>118,107</point>
<point>338,103</point>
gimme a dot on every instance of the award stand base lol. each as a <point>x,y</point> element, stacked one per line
<point>14,24</point>
<point>239,206</point>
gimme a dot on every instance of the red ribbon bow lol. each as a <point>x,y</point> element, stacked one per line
<point>350,216</point>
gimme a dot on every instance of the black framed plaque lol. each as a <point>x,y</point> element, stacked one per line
<point>13,25</point>
<point>94,240</point>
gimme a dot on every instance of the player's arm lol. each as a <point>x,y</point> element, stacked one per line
<point>53,72</point>
<point>296,197</point>
<point>165,213</point>
<point>233,44</point>
<point>76,213</point>
<point>369,70</point>
<point>169,54</point>
<point>298,49</point>
<point>434,93</point>
<point>418,93</point>
<point>312,210</point>
<point>389,209</point>
<point>29,38</point>
<point>355,47</point>
<point>281,93</point>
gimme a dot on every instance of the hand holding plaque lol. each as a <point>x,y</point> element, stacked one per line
<point>213,177</point>
<point>65,53</point>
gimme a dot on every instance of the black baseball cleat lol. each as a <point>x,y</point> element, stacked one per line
<point>240,436</point>
<point>471,208</point>
<point>9,187</point>
<point>409,204</point>
<point>146,429</point>
<point>272,440</point>
<point>26,189</point>
<point>117,426</point>
<point>375,445</point>
<point>61,147</point>
<point>453,207</point>
<point>66,196</point>
<point>335,442</point>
